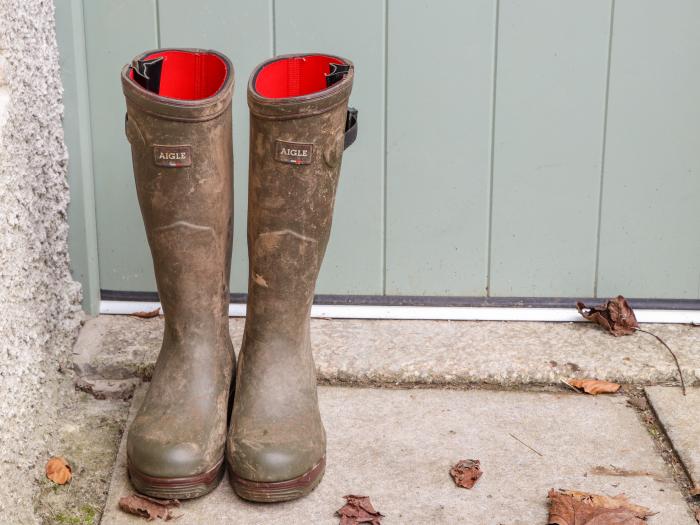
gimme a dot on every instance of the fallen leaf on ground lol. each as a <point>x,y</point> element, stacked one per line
<point>570,507</point>
<point>147,315</point>
<point>615,315</point>
<point>358,509</point>
<point>594,386</point>
<point>618,318</point>
<point>466,472</point>
<point>58,470</point>
<point>695,491</point>
<point>697,515</point>
<point>149,508</point>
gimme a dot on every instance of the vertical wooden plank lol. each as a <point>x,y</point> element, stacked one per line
<point>240,29</point>
<point>650,235</point>
<point>440,78</point>
<point>550,104</point>
<point>82,233</point>
<point>114,33</point>
<point>355,30</point>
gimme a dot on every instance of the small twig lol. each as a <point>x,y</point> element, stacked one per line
<point>523,443</point>
<point>678,366</point>
<point>572,387</point>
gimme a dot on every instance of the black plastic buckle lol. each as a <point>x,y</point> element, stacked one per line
<point>350,127</point>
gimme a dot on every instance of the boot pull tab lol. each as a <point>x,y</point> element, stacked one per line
<point>147,73</point>
<point>338,71</point>
<point>350,128</point>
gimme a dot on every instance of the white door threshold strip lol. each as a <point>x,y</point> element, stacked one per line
<point>451,313</point>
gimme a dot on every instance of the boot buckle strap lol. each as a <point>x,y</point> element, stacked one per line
<point>350,128</point>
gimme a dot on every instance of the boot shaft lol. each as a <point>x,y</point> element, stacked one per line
<point>179,125</point>
<point>297,134</point>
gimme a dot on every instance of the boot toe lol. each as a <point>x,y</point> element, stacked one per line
<point>274,462</point>
<point>164,459</point>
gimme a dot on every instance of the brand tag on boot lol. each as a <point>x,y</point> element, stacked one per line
<point>293,152</point>
<point>172,156</point>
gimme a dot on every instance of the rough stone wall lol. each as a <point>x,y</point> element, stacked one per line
<point>40,313</point>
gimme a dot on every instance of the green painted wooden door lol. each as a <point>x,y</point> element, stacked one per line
<point>506,148</point>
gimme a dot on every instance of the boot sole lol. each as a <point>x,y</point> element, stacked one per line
<point>276,491</point>
<point>176,488</point>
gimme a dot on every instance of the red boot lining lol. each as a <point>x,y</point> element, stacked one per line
<point>189,75</point>
<point>294,76</point>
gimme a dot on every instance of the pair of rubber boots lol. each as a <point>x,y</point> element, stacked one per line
<point>178,121</point>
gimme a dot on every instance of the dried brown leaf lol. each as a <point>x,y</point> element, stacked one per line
<point>147,315</point>
<point>570,507</point>
<point>695,491</point>
<point>615,315</point>
<point>594,386</point>
<point>618,318</point>
<point>466,472</point>
<point>58,470</point>
<point>358,509</point>
<point>149,508</point>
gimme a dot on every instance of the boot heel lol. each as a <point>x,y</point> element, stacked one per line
<point>271,492</point>
<point>176,488</point>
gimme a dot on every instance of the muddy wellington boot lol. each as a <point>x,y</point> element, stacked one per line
<point>300,125</point>
<point>179,126</point>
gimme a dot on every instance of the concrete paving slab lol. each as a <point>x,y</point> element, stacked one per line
<point>680,417</point>
<point>428,352</point>
<point>397,446</point>
<point>88,437</point>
